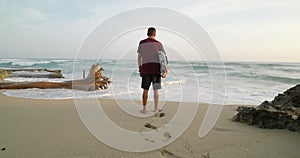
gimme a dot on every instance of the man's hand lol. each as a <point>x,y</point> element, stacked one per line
<point>166,72</point>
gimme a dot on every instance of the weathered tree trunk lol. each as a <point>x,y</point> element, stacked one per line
<point>31,73</point>
<point>94,81</point>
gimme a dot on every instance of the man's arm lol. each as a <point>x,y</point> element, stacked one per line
<point>140,63</point>
<point>139,60</point>
<point>167,67</point>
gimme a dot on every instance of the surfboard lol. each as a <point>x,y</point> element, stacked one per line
<point>163,62</point>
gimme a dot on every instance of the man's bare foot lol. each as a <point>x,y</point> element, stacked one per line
<point>157,111</point>
<point>143,111</point>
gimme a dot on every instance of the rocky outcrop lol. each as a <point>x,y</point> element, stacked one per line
<point>288,102</point>
<point>283,112</point>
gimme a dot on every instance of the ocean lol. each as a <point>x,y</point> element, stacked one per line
<point>246,83</point>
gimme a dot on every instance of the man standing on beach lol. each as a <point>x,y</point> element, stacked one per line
<point>149,67</point>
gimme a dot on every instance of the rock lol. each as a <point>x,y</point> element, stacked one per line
<point>3,149</point>
<point>289,101</point>
<point>296,101</point>
<point>251,120</point>
<point>282,112</point>
<point>264,105</point>
<point>263,118</point>
<point>246,115</point>
<point>236,118</point>
<point>267,119</point>
<point>294,126</point>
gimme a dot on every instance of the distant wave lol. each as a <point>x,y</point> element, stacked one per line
<point>234,64</point>
<point>282,79</point>
<point>20,63</point>
<point>272,64</point>
<point>171,83</point>
<point>6,64</point>
<point>288,69</point>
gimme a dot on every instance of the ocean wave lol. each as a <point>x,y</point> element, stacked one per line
<point>271,65</point>
<point>6,64</point>
<point>255,76</point>
<point>19,63</point>
<point>171,83</point>
<point>235,64</point>
<point>281,79</point>
<point>288,69</point>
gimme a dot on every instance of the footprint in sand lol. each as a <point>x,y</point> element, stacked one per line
<point>166,153</point>
<point>159,114</point>
<point>149,140</point>
<point>148,125</point>
<point>167,136</point>
<point>224,130</point>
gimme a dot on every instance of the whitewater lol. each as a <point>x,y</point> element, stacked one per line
<point>246,83</point>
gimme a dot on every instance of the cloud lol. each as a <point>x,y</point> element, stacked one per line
<point>34,13</point>
<point>213,8</point>
<point>31,17</point>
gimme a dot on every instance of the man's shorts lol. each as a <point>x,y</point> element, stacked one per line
<point>154,79</point>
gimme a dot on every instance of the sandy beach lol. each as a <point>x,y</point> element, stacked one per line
<point>52,128</point>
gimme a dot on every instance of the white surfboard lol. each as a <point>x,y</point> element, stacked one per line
<point>163,62</point>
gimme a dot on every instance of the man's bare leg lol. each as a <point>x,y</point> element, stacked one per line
<point>156,99</point>
<point>145,99</point>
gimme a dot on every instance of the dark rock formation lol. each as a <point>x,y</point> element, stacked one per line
<point>283,112</point>
<point>294,126</point>
<point>263,118</point>
<point>288,102</point>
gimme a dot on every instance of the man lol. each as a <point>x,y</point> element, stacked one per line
<point>149,67</point>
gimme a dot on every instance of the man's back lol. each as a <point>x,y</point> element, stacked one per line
<point>148,48</point>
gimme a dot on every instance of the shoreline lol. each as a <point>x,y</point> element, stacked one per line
<point>5,90</point>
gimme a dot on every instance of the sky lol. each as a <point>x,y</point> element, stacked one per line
<point>242,30</point>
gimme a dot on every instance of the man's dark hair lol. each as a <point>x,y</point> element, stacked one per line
<point>151,31</point>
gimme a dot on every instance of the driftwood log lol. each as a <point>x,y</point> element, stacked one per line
<point>35,73</point>
<point>30,73</point>
<point>94,81</point>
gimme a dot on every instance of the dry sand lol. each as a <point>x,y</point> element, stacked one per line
<point>52,128</point>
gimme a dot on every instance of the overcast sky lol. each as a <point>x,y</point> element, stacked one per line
<point>243,30</point>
